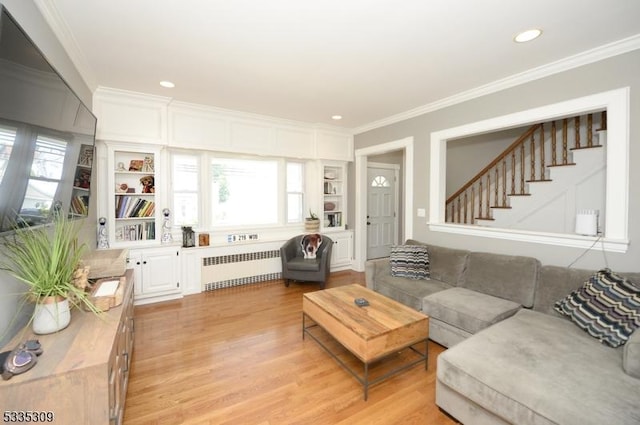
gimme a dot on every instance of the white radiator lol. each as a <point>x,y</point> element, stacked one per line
<point>225,271</point>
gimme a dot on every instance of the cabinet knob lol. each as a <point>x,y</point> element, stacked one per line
<point>138,263</point>
<point>144,262</point>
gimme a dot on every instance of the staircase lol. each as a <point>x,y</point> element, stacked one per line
<point>539,181</point>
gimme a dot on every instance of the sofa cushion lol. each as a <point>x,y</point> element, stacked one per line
<point>631,355</point>
<point>607,306</point>
<point>554,283</point>
<point>468,310</point>
<point>533,368</point>
<point>411,261</point>
<point>445,264</point>
<point>510,277</point>
<point>408,291</point>
<point>303,264</point>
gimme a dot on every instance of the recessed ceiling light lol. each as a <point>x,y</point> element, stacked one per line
<point>336,117</point>
<point>167,84</point>
<point>527,35</point>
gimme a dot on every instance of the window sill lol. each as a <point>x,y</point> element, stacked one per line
<point>557,239</point>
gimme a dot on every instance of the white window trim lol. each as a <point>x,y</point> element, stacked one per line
<point>204,196</point>
<point>616,102</point>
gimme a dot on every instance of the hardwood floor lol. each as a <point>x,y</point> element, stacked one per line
<point>236,356</point>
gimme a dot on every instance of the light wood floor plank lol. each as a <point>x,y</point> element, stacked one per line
<point>236,356</point>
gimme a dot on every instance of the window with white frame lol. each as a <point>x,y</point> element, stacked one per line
<point>210,190</point>
<point>243,191</point>
<point>186,188</point>
<point>45,175</point>
<point>295,192</point>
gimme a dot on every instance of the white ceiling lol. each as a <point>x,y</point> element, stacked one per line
<point>366,60</point>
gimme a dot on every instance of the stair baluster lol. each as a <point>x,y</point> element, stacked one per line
<point>522,169</point>
<point>481,193</point>
<point>564,142</point>
<point>496,189</point>
<point>589,131</point>
<point>465,207</point>
<point>473,203</point>
<point>554,154</point>
<point>504,182</point>
<point>577,132</point>
<point>532,157</point>
<point>543,173</point>
<point>513,172</point>
<point>488,204</point>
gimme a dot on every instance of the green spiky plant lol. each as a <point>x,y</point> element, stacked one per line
<point>45,259</point>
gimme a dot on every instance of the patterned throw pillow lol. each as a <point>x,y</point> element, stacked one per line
<point>410,261</point>
<point>607,306</point>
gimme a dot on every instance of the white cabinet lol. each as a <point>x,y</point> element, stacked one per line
<point>334,196</point>
<point>342,251</point>
<point>334,145</point>
<point>156,272</point>
<point>126,116</point>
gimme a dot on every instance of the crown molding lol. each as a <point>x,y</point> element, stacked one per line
<point>616,48</point>
<point>59,26</point>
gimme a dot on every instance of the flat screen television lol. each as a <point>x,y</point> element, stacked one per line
<point>47,136</point>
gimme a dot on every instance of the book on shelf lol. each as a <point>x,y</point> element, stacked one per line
<point>129,207</point>
<point>80,205</point>
<point>136,232</point>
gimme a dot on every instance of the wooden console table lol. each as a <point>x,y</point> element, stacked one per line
<point>82,375</point>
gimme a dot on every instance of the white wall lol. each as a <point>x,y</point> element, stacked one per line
<point>609,74</point>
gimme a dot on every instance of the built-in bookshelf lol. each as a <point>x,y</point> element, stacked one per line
<point>82,182</point>
<point>333,196</point>
<point>133,211</point>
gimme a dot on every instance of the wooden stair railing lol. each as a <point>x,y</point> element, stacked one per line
<point>476,198</point>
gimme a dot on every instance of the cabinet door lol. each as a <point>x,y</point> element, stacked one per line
<point>160,271</point>
<point>342,249</point>
<point>134,262</point>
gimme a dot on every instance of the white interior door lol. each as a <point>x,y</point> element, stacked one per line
<point>382,221</point>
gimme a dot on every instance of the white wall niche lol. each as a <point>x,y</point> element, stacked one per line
<point>615,102</point>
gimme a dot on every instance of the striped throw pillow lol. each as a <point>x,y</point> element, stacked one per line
<point>411,261</point>
<point>607,306</point>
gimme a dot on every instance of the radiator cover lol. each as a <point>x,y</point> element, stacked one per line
<point>225,271</point>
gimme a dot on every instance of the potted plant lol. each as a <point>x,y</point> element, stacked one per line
<point>311,223</point>
<point>45,260</point>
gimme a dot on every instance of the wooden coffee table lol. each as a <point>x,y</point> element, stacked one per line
<point>370,333</point>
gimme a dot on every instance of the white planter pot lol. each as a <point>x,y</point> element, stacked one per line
<point>51,315</point>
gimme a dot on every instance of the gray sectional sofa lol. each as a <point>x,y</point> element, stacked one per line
<point>511,358</point>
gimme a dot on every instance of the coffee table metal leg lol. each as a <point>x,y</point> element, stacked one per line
<point>426,354</point>
<point>365,384</point>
